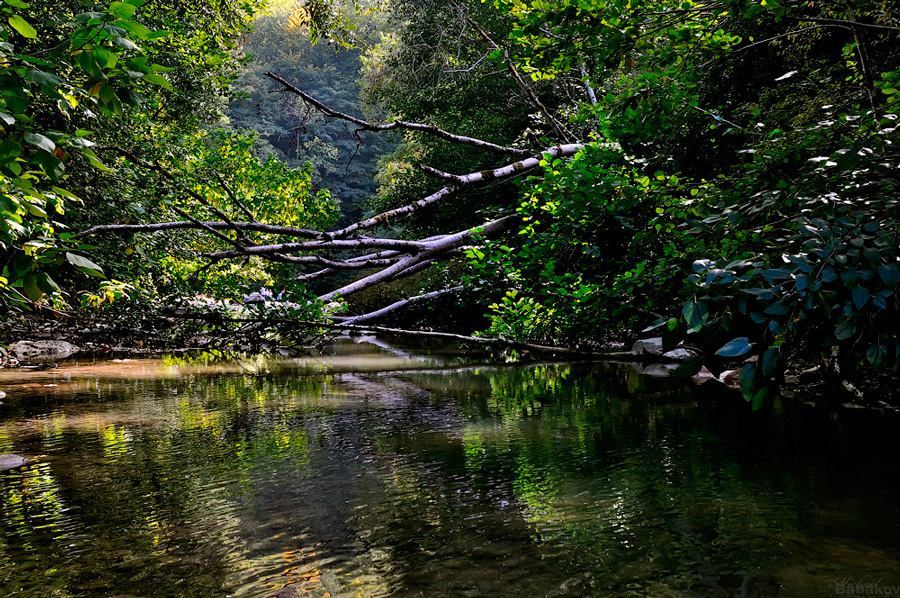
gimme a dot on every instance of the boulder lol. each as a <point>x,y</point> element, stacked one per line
<point>679,354</point>
<point>648,346</point>
<point>10,461</point>
<point>43,350</point>
<point>659,370</point>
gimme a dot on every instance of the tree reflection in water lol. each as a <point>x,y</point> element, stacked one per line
<point>455,480</point>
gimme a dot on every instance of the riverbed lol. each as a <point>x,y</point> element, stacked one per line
<point>379,470</point>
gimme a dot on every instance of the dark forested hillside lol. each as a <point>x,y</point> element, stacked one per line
<point>343,162</point>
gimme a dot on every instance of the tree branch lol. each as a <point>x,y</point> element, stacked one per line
<point>563,132</point>
<point>433,249</point>
<point>380,313</point>
<point>272,229</point>
<point>399,124</point>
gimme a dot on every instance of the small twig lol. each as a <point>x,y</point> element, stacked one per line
<point>234,198</point>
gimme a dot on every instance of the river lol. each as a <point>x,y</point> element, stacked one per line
<point>374,471</point>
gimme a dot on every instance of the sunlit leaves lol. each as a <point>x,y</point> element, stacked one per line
<point>22,26</point>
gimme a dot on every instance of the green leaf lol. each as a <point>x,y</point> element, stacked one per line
<point>30,287</point>
<point>105,59</point>
<point>772,276</point>
<point>52,166</point>
<point>759,399</point>
<point>122,10</point>
<point>779,308</point>
<point>38,140</point>
<point>9,150</point>
<point>85,265</point>
<point>860,296</point>
<point>695,314</point>
<point>872,255</point>
<point>95,161</point>
<point>124,42</point>
<point>158,80</point>
<point>890,274</point>
<point>22,26</point>
<point>770,361</point>
<point>42,77</point>
<point>746,378</point>
<point>875,355</point>
<point>89,65</point>
<point>135,29</point>
<point>736,348</point>
<point>46,284</point>
<point>845,330</point>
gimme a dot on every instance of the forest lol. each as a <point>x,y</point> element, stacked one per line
<point>568,175</point>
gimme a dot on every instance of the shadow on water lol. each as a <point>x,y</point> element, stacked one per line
<point>378,471</point>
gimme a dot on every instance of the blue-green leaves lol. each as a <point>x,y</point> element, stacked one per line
<point>736,348</point>
<point>695,314</point>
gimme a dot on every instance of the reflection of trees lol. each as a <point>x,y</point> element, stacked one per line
<point>498,481</point>
<point>172,462</point>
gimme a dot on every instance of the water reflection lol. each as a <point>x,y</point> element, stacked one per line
<point>361,475</point>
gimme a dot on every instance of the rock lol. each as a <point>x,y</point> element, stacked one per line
<point>43,350</point>
<point>659,370</point>
<point>813,374</point>
<point>10,461</point>
<point>731,379</point>
<point>254,298</point>
<point>649,346</point>
<point>679,354</point>
<point>2,395</point>
<point>703,376</point>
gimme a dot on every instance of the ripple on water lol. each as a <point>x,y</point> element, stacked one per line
<point>499,482</point>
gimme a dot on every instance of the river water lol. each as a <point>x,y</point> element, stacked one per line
<point>374,471</point>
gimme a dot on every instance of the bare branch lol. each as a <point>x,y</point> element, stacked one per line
<point>333,264</point>
<point>480,340</point>
<point>504,172</point>
<point>511,67</point>
<point>442,245</point>
<point>849,23</point>
<point>396,214</point>
<point>234,199</point>
<point>439,173</point>
<point>339,244</point>
<point>399,124</point>
<point>353,260</point>
<point>374,315</point>
<point>272,229</point>
<point>209,229</point>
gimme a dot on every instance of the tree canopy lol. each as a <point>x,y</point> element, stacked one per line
<point>720,173</point>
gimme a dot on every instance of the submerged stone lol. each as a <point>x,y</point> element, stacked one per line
<point>10,461</point>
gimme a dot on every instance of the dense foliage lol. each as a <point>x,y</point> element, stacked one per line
<point>743,181</point>
<point>736,190</point>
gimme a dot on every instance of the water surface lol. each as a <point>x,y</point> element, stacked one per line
<point>377,471</point>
